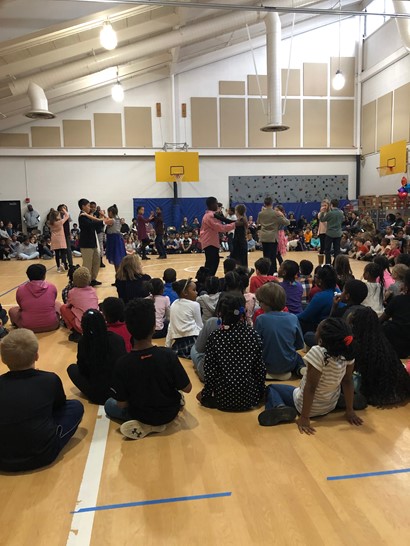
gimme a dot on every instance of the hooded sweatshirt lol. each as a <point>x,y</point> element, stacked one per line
<point>208,304</point>
<point>37,301</point>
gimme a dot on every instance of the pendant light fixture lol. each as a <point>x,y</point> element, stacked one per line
<point>108,36</point>
<point>117,90</point>
<point>338,81</point>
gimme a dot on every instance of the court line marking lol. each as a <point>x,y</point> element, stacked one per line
<point>21,284</point>
<point>81,527</point>
<point>368,474</point>
<point>151,502</point>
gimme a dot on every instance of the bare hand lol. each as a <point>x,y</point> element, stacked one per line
<point>354,419</point>
<point>303,424</point>
<point>337,299</point>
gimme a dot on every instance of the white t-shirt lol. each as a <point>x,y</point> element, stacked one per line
<point>184,321</point>
<point>373,298</point>
<point>327,392</point>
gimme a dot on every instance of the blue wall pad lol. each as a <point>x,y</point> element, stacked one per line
<point>174,210</point>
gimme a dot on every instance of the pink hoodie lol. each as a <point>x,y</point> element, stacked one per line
<point>37,301</point>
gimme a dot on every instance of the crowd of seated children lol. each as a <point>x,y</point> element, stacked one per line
<point>130,280</point>
<point>146,384</point>
<point>27,249</point>
<point>330,364</point>
<point>185,321</point>
<point>162,307</point>
<point>280,332</point>
<point>37,420</point>
<point>234,371</point>
<point>396,320</point>
<point>80,298</point>
<point>113,310</point>
<point>37,308</point>
<point>98,350</point>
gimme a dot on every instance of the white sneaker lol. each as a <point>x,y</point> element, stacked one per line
<point>278,376</point>
<point>59,269</point>
<point>137,430</point>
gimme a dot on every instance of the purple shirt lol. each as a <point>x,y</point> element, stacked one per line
<point>142,227</point>
<point>294,293</point>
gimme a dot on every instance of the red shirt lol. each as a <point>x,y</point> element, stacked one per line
<point>259,280</point>
<point>121,329</point>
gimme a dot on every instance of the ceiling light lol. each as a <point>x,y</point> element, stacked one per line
<point>117,92</point>
<point>108,36</point>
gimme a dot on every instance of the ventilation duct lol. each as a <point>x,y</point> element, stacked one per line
<point>39,103</point>
<point>403,24</point>
<point>274,74</point>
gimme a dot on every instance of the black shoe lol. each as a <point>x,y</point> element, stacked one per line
<point>95,283</point>
<point>102,265</point>
<point>274,416</point>
<point>145,258</point>
<point>74,336</point>
<point>113,284</point>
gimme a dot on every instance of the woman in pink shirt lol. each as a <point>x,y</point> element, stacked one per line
<point>58,238</point>
<point>210,230</point>
<point>162,308</point>
<point>38,309</point>
<point>80,298</point>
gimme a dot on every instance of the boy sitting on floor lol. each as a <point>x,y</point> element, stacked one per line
<point>261,277</point>
<point>36,419</point>
<point>147,380</point>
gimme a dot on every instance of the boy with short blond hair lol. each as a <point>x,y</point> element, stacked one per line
<point>36,419</point>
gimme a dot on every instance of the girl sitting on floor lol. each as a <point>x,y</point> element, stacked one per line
<point>113,310</point>
<point>98,351</point>
<point>234,370</point>
<point>289,270</point>
<point>381,377</point>
<point>185,320</point>
<point>209,300</point>
<point>130,280</point>
<point>383,262</point>
<point>343,270</point>
<point>375,290</point>
<point>162,308</point>
<point>330,366</point>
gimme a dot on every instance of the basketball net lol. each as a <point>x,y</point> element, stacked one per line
<point>178,177</point>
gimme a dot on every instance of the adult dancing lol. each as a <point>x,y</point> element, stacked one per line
<point>334,219</point>
<point>210,229</point>
<point>270,221</point>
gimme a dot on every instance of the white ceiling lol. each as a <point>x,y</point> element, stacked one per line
<point>56,44</point>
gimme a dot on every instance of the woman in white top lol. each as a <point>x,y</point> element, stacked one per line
<point>185,321</point>
<point>330,366</point>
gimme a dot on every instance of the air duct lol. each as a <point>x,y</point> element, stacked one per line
<point>403,24</point>
<point>39,103</point>
<point>274,74</point>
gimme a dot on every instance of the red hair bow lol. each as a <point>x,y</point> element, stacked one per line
<point>348,340</point>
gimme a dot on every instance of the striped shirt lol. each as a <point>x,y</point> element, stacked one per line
<point>327,392</point>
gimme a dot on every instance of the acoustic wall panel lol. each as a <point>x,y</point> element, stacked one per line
<point>232,123</point>
<point>315,79</point>
<point>369,128</point>
<point>107,130</point>
<point>256,120</point>
<point>384,120</point>
<point>77,133</point>
<point>341,123</point>
<point>231,88</point>
<point>401,113</point>
<point>293,83</point>
<point>204,122</point>
<point>347,67</point>
<point>253,88</point>
<point>314,123</point>
<point>45,137</point>
<point>291,118</point>
<point>138,127</point>
<point>14,140</point>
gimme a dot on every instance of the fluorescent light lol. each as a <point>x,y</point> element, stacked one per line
<point>108,36</point>
<point>338,81</point>
<point>117,92</point>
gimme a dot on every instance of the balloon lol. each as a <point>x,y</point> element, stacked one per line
<point>402,195</point>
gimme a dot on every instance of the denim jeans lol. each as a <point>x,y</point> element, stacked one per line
<point>67,419</point>
<point>113,411</point>
<point>279,395</point>
<point>198,360</point>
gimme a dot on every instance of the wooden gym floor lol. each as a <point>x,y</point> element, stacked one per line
<point>275,480</point>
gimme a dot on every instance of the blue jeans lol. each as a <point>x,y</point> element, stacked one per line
<point>67,419</point>
<point>198,360</point>
<point>113,411</point>
<point>279,395</point>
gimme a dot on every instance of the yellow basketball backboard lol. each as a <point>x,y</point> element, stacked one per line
<point>184,165</point>
<point>393,158</point>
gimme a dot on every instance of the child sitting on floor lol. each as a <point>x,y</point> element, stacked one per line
<point>147,380</point>
<point>70,285</point>
<point>185,321</point>
<point>306,280</point>
<point>209,300</point>
<point>169,277</point>
<point>354,293</point>
<point>261,276</point>
<point>162,307</point>
<point>80,298</point>
<point>281,334</point>
<point>289,270</point>
<point>234,369</point>
<point>375,290</point>
<point>36,419</point>
<point>396,320</point>
<point>113,310</point>
<point>398,273</point>
<point>330,365</point>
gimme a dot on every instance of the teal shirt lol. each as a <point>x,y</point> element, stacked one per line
<point>334,219</point>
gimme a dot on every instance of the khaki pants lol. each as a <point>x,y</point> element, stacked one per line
<point>91,260</point>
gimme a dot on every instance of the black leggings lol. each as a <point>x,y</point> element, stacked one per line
<point>322,238</point>
<point>61,254</point>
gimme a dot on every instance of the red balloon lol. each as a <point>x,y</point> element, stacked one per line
<point>402,196</point>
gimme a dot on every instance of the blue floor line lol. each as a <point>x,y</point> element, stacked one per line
<point>368,474</point>
<point>151,502</point>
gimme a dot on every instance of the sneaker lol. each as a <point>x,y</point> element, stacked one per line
<point>95,283</point>
<point>274,416</point>
<point>300,372</point>
<point>278,376</point>
<point>74,336</point>
<point>136,430</point>
<point>59,270</point>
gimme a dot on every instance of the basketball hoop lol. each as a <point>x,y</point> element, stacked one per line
<point>385,170</point>
<point>178,177</point>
